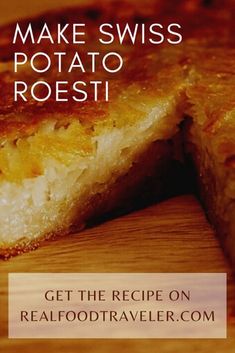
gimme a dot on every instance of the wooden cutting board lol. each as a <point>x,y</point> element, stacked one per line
<point>172,236</point>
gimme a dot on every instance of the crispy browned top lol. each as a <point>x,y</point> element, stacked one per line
<point>204,20</point>
<point>204,64</point>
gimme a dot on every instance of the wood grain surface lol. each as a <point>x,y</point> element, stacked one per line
<point>172,236</point>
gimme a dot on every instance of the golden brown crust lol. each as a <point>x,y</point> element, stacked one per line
<point>203,68</point>
<point>203,21</point>
<point>211,103</point>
